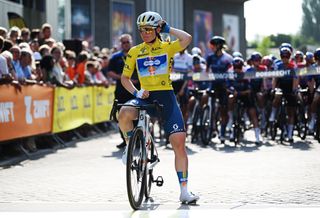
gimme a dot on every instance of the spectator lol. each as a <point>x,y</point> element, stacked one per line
<point>116,66</point>
<point>50,42</point>
<point>14,34</point>
<point>46,66</point>
<point>81,66</point>
<point>57,69</point>
<point>8,55</point>
<point>96,76</point>
<point>16,53</point>
<point>3,32</point>
<point>25,62</point>
<point>3,62</point>
<point>7,44</point>
<point>46,31</point>
<point>71,64</point>
<point>104,61</point>
<point>44,50</point>
<point>34,46</point>
<point>38,75</point>
<point>35,34</point>
<point>25,34</point>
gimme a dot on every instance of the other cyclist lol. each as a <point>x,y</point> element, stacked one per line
<point>218,63</point>
<point>153,60</point>
<point>257,85</point>
<point>288,84</point>
<point>240,88</point>
<point>316,99</point>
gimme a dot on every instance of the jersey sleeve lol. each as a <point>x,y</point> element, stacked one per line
<point>130,63</point>
<point>175,47</point>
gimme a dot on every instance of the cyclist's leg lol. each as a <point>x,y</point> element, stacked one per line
<point>174,127</point>
<point>275,105</point>
<point>291,110</point>
<point>254,119</point>
<point>231,101</point>
<point>313,111</point>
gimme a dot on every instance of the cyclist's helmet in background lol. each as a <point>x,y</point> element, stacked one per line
<point>237,54</point>
<point>285,52</point>
<point>298,55</point>
<point>196,50</point>
<point>149,18</point>
<point>218,41</point>
<point>256,56</point>
<point>237,63</point>
<point>317,54</point>
<point>309,56</point>
<point>267,61</point>
<point>286,45</point>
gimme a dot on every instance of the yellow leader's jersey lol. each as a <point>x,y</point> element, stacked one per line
<point>153,64</point>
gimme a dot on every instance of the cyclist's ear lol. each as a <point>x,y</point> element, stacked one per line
<point>158,29</point>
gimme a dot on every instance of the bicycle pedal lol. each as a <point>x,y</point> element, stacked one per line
<point>159,181</point>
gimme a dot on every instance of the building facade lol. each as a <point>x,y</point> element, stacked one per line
<point>102,21</point>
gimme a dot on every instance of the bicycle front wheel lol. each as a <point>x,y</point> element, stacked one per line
<point>136,169</point>
<point>149,172</point>
<point>206,125</point>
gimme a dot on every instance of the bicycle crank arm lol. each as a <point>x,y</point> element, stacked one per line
<point>151,166</point>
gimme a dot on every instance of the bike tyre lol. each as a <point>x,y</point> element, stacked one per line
<point>136,144</point>
<point>206,126</point>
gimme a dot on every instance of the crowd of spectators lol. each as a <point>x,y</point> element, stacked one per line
<point>34,57</point>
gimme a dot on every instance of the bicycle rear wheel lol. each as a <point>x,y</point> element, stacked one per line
<point>136,169</point>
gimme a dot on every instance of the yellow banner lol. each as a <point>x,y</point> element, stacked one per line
<point>72,108</point>
<point>103,99</point>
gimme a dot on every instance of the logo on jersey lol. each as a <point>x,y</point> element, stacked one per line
<point>152,66</point>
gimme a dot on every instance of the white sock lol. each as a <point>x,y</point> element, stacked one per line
<point>257,133</point>
<point>290,131</point>
<point>273,114</point>
<point>230,114</point>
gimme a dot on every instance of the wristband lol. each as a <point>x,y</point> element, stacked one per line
<point>135,93</point>
<point>140,93</point>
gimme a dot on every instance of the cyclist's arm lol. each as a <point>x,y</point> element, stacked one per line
<point>183,37</point>
<point>127,84</point>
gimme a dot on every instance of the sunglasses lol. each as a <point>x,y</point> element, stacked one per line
<point>285,56</point>
<point>125,42</point>
<point>146,30</point>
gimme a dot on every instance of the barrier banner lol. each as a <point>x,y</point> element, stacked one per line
<point>26,111</point>
<point>103,100</point>
<point>72,108</point>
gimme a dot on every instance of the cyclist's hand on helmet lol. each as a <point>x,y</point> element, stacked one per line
<point>165,27</point>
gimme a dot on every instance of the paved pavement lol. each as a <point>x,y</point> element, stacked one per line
<point>89,177</point>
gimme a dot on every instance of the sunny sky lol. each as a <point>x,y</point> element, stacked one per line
<point>266,17</point>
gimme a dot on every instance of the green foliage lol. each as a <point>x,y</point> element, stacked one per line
<point>264,45</point>
<point>310,29</point>
<point>280,38</point>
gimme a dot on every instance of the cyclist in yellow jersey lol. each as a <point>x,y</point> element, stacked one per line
<point>153,61</point>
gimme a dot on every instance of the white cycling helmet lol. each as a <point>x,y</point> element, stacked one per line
<point>196,50</point>
<point>149,18</point>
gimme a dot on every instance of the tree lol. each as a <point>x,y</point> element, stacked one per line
<point>311,20</point>
<point>264,45</point>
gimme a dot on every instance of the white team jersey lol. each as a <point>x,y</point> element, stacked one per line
<point>182,63</point>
